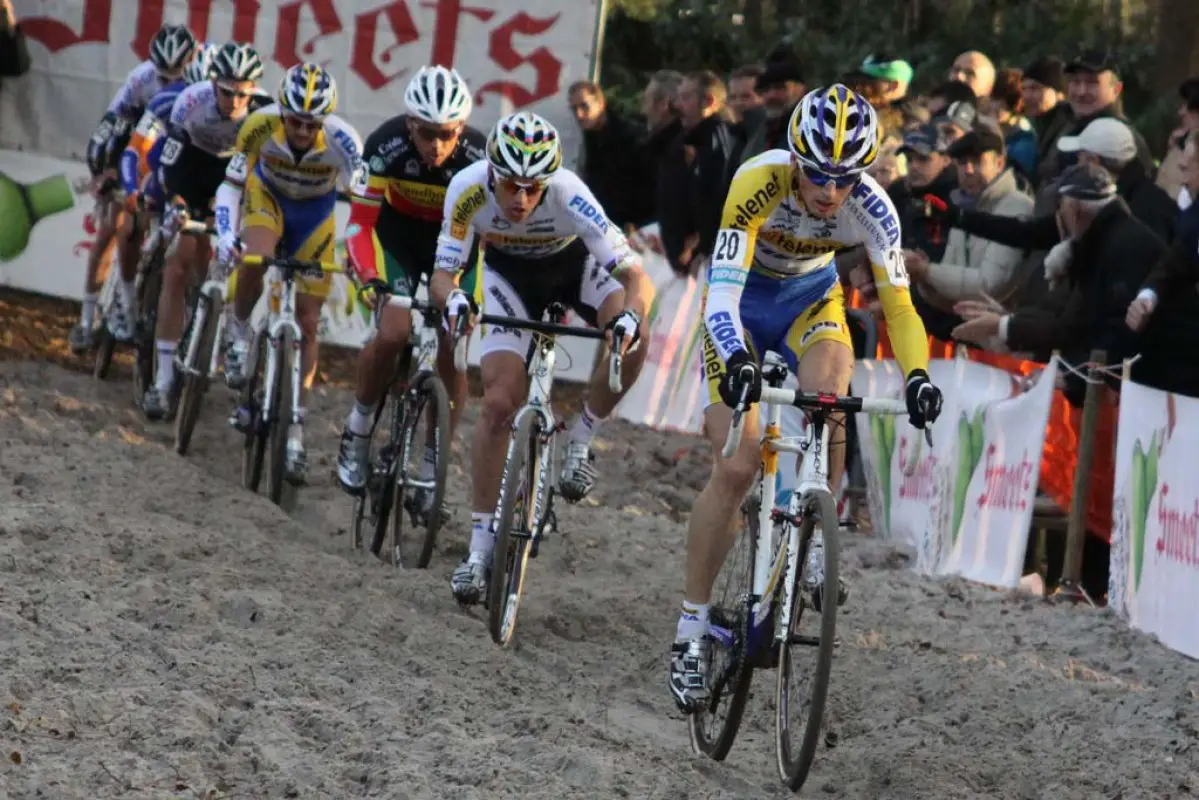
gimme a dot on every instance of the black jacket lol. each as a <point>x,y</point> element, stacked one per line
<point>1049,127</point>
<point>1169,356</point>
<point>1110,263</point>
<point>919,233</point>
<point>14,52</point>
<point>1149,202</point>
<point>693,180</point>
<point>614,171</point>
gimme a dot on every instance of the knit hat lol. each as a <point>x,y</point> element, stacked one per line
<point>1049,71</point>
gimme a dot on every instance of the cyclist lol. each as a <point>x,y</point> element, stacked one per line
<point>773,277</point>
<point>202,132</point>
<point>393,232</point>
<point>170,51</point>
<point>138,165</point>
<point>288,162</point>
<point>539,222</point>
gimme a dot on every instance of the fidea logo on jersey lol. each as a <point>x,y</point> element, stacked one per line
<point>753,206</point>
<point>589,211</point>
<point>878,208</point>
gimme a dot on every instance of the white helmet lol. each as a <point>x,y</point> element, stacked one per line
<point>438,95</point>
<point>308,90</point>
<point>171,47</point>
<point>523,145</point>
<point>835,131</point>
<point>200,67</point>
<point>237,62</point>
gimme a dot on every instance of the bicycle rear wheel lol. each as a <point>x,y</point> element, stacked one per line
<point>714,727</point>
<point>280,419</point>
<point>381,485</point>
<point>810,676</point>
<point>513,528</point>
<point>191,397</point>
<point>250,405</point>
<point>431,404</point>
<point>367,503</point>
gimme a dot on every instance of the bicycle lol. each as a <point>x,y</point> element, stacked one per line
<point>526,500</point>
<point>414,389</point>
<point>756,622</point>
<point>200,353</point>
<point>265,412</point>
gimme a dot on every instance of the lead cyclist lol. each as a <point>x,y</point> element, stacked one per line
<point>773,285</point>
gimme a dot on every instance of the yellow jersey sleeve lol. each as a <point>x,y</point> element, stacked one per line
<point>257,128</point>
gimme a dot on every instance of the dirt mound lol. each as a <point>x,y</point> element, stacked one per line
<point>166,634</point>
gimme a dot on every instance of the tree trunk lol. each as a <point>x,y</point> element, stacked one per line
<point>1177,43</point>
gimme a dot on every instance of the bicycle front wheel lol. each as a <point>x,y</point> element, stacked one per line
<point>146,352</point>
<point>803,675</point>
<point>280,419</point>
<point>513,529</point>
<point>250,409</point>
<point>195,383</point>
<point>423,506</point>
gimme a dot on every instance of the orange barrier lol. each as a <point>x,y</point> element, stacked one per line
<point>1059,460</point>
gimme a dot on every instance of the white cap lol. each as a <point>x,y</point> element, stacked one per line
<point>1106,137</point>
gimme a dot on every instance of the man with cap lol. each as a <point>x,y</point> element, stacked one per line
<point>957,120</point>
<point>972,267</point>
<point>1097,271</point>
<point>930,173</point>
<point>1110,143</point>
<point>1093,89</point>
<point>1043,86</point>
<point>781,87</point>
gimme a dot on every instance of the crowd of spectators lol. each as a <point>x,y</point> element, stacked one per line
<point>1034,215</point>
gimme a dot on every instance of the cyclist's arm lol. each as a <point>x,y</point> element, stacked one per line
<point>609,247</point>
<point>97,145</point>
<point>759,187</point>
<point>463,200</point>
<point>909,339</point>
<point>254,131</point>
<point>133,159</point>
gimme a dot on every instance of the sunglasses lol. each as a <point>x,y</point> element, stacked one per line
<point>820,179</point>
<point>429,133</point>
<point>513,186</point>
<point>301,125</point>
<point>233,94</point>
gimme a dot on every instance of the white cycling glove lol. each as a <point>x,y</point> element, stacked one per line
<point>456,305</point>
<point>228,248</point>
<point>628,325</point>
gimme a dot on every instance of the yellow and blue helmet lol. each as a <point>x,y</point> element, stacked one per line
<point>835,131</point>
<point>308,90</point>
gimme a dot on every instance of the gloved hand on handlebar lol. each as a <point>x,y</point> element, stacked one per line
<point>740,371</point>
<point>628,324</point>
<point>923,399</point>
<point>457,305</point>
<point>228,249</point>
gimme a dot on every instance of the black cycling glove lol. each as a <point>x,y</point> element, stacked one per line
<point>923,399</point>
<point>740,371</point>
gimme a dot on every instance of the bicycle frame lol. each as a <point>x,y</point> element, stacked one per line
<point>214,287</point>
<point>281,316</point>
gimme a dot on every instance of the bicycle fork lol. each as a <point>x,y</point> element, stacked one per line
<point>204,305</point>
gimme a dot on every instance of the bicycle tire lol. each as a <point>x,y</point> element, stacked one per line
<point>734,616</point>
<point>191,396</point>
<point>106,345</point>
<point>431,394</point>
<point>366,506</point>
<point>145,351</point>
<point>254,441</point>
<point>384,475</point>
<point>793,767</point>
<point>511,556</point>
<point>280,418</point>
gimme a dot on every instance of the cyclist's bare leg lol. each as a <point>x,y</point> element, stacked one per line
<point>504,389</point>
<point>600,397</point>
<point>256,241</point>
<point>827,367</point>
<point>377,361</point>
<point>712,528</point>
<point>99,261</point>
<point>308,314</point>
<point>455,381</point>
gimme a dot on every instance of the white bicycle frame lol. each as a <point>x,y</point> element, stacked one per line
<point>780,560</point>
<point>214,286</point>
<point>280,316</point>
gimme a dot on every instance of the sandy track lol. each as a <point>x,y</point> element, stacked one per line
<point>163,633</point>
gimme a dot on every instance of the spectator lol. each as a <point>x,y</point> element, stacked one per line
<point>695,173</point>
<point>781,86</point>
<point>890,166</point>
<point>961,118</point>
<point>1044,90</point>
<point>976,71</point>
<point>1103,263</point>
<point>661,116</point>
<point>894,76</point>
<point>14,52</point>
<point>1169,176</point>
<point>1093,88</point>
<point>1007,101</point>
<point>947,94</point>
<point>930,172</point>
<point>611,157</point>
<point>1110,143</point>
<point>743,90</point>
<point>972,267</point>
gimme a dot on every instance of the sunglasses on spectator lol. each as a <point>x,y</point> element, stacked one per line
<point>233,94</point>
<point>302,125</point>
<point>514,186</point>
<point>822,179</point>
<point>430,133</point>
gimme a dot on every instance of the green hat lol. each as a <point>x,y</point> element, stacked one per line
<point>885,68</point>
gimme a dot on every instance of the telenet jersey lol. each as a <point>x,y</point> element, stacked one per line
<point>765,229</point>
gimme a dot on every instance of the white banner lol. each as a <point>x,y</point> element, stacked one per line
<point>929,509</point>
<point>1154,576</point>
<point>513,53</point>
<point>46,252</point>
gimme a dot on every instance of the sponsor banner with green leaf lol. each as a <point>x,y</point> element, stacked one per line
<point>1154,575</point>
